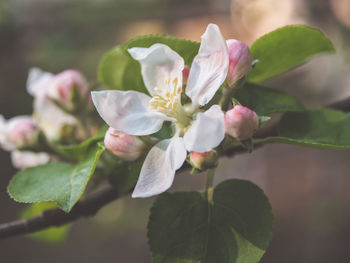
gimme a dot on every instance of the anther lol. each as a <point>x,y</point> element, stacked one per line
<point>175,81</point>
<point>160,109</point>
<point>158,90</point>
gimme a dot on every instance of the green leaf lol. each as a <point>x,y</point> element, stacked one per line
<point>265,101</point>
<point>50,235</point>
<point>78,152</point>
<point>185,48</point>
<point>286,48</point>
<point>124,177</point>
<point>117,70</point>
<point>322,128</point>
<point>235,228</point>
<point>61,183</point>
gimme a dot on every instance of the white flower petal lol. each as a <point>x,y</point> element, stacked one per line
<point>23,160</point>
<point>38,82</point>
<point>209,67</point>
<point>207,131</point>
<point>128,111</point>
<point>50,118</point>
<point>158,64</point>
<point>4,141</point>
<point>158,170</point>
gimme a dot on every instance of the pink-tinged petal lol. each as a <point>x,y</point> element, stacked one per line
<point>159,63</point>
<point>38,82</point>
<point>209,67</point>
<point>128,111</point>
<point>63,85</point>
<point>17,132</point>
<point>158,170</point>
<point>22,160</point>
<point>4,141</point>
<point>207,131</point>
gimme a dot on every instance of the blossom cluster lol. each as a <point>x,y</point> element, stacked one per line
<point>56,98</point>
<point>178,94</point>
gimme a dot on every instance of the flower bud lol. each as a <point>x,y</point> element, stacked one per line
<point>125,146</point>
<point>185,73</point>
<point>241,122</point>
<point>240,61</point>
<point>18,132</point>
<point>68,88</point>
<point>205,160</point>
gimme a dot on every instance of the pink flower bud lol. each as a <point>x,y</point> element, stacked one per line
<point>18,132</point>
<point>185,73</point>
<point>241,122</point>
<point>204,160</point>
<point>63,84</point>
<point>240,61</point>
<point>127,147</point>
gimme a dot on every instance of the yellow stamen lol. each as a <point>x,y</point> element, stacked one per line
<point>179,90</point>
<point>175,103</point>
<point>158,90</point>
<point>175,80</point>
<point>160,109</point>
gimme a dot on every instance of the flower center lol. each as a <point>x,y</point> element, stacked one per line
<point>168,101</point>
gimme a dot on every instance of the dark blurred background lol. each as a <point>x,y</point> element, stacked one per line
<point>308,188</point>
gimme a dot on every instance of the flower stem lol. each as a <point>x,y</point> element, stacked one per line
<point>209,185</point>
<point>228,92</point>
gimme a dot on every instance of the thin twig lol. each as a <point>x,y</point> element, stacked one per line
<point>56,217</point>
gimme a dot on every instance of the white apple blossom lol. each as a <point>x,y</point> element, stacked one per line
<point>50,117</point>
<point>136,113</point>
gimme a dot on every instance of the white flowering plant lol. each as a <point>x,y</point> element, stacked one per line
<point>162,105</point>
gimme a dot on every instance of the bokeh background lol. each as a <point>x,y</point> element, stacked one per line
<point>308,188</point>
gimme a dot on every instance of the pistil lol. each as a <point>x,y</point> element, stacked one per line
<point>168,101</point>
